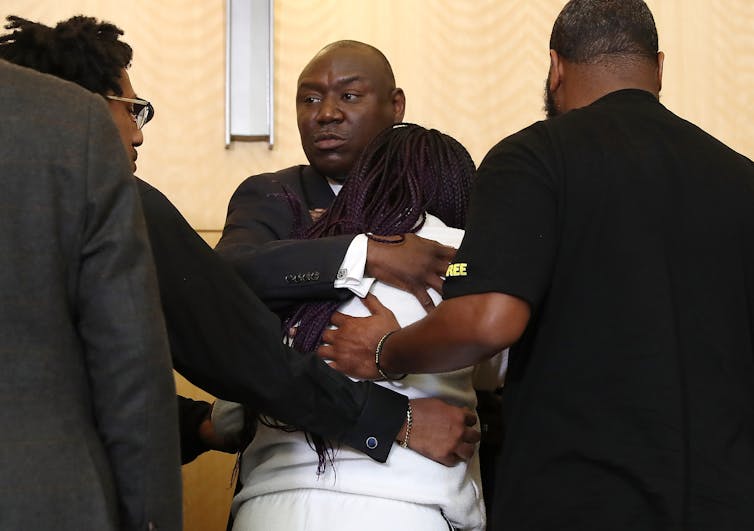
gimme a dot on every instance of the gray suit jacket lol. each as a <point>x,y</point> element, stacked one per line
<point>86,392</point>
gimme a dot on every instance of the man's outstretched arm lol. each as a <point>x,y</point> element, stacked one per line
<point>257,242</point>
<point>460,332</point>
<point>285,272</point>
<point>227,342</point>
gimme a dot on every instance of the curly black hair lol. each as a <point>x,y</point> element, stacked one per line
<point>81,49</point>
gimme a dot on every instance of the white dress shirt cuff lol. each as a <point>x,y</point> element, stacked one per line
<point>351,271</point>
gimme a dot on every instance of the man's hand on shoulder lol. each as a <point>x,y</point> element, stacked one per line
<point>414,265</point>
<point>442,432</point>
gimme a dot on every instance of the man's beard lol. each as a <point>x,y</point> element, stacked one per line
<point>551,110</point>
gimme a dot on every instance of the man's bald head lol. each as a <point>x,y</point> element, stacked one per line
<point>346,96</point>
<point>367,50</point>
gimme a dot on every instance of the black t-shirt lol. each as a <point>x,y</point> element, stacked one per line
<point>630,232</point>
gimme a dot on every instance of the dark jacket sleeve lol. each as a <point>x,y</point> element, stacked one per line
<point>256,241</point>
<point>191,414</point>
<point>224,340</point>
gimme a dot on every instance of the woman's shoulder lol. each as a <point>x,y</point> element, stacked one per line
<point>435,229</point>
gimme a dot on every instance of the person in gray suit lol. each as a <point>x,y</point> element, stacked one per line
<point>91,436</point>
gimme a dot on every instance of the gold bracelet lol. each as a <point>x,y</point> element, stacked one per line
<point>409,423</point>
<point>377,352</point>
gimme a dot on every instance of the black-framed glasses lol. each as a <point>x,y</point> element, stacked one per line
<point>142,111</point>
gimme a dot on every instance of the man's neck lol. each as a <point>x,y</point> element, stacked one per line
<point>588,83</point>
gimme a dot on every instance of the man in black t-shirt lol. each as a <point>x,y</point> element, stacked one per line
<point>613,246</point>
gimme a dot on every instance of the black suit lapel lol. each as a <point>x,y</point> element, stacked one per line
<point>316,190</point>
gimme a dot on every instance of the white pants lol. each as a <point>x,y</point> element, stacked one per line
<point>323,510</point>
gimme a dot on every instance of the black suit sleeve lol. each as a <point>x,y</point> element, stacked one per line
<point>283,272</point>
<point>191,414</point>
<point>224,339</point>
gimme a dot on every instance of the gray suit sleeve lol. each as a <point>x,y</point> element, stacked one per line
<point>122,331</point>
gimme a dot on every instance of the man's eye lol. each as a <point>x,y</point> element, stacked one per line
<point>311,99</point>
<point>350,96</point>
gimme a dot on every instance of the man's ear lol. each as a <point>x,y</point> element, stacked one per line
<point>556,71</point>
<point>660,63</point>
<point>398,99</point>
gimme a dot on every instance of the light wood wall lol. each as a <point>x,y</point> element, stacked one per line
<point>472,68</point>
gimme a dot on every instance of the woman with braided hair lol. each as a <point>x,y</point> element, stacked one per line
<point>409,179</point>
<point>407,173</point>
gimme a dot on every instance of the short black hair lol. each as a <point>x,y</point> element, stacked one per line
<point>81,49</point>
<point>588,31</point>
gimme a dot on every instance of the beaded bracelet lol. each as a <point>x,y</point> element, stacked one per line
<point>409,423</point>
<point>377,352</point>
<point>381,239</point>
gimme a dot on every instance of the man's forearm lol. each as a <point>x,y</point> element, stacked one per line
<point>460,332</point>
<point>283,273</point>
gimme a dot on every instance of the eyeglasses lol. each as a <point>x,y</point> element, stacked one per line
<point>141,110</point>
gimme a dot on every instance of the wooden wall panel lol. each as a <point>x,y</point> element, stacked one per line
<point>473,69</point>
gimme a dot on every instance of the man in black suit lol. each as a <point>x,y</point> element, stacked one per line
<point>222,337</point>
<point>346,95</point>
